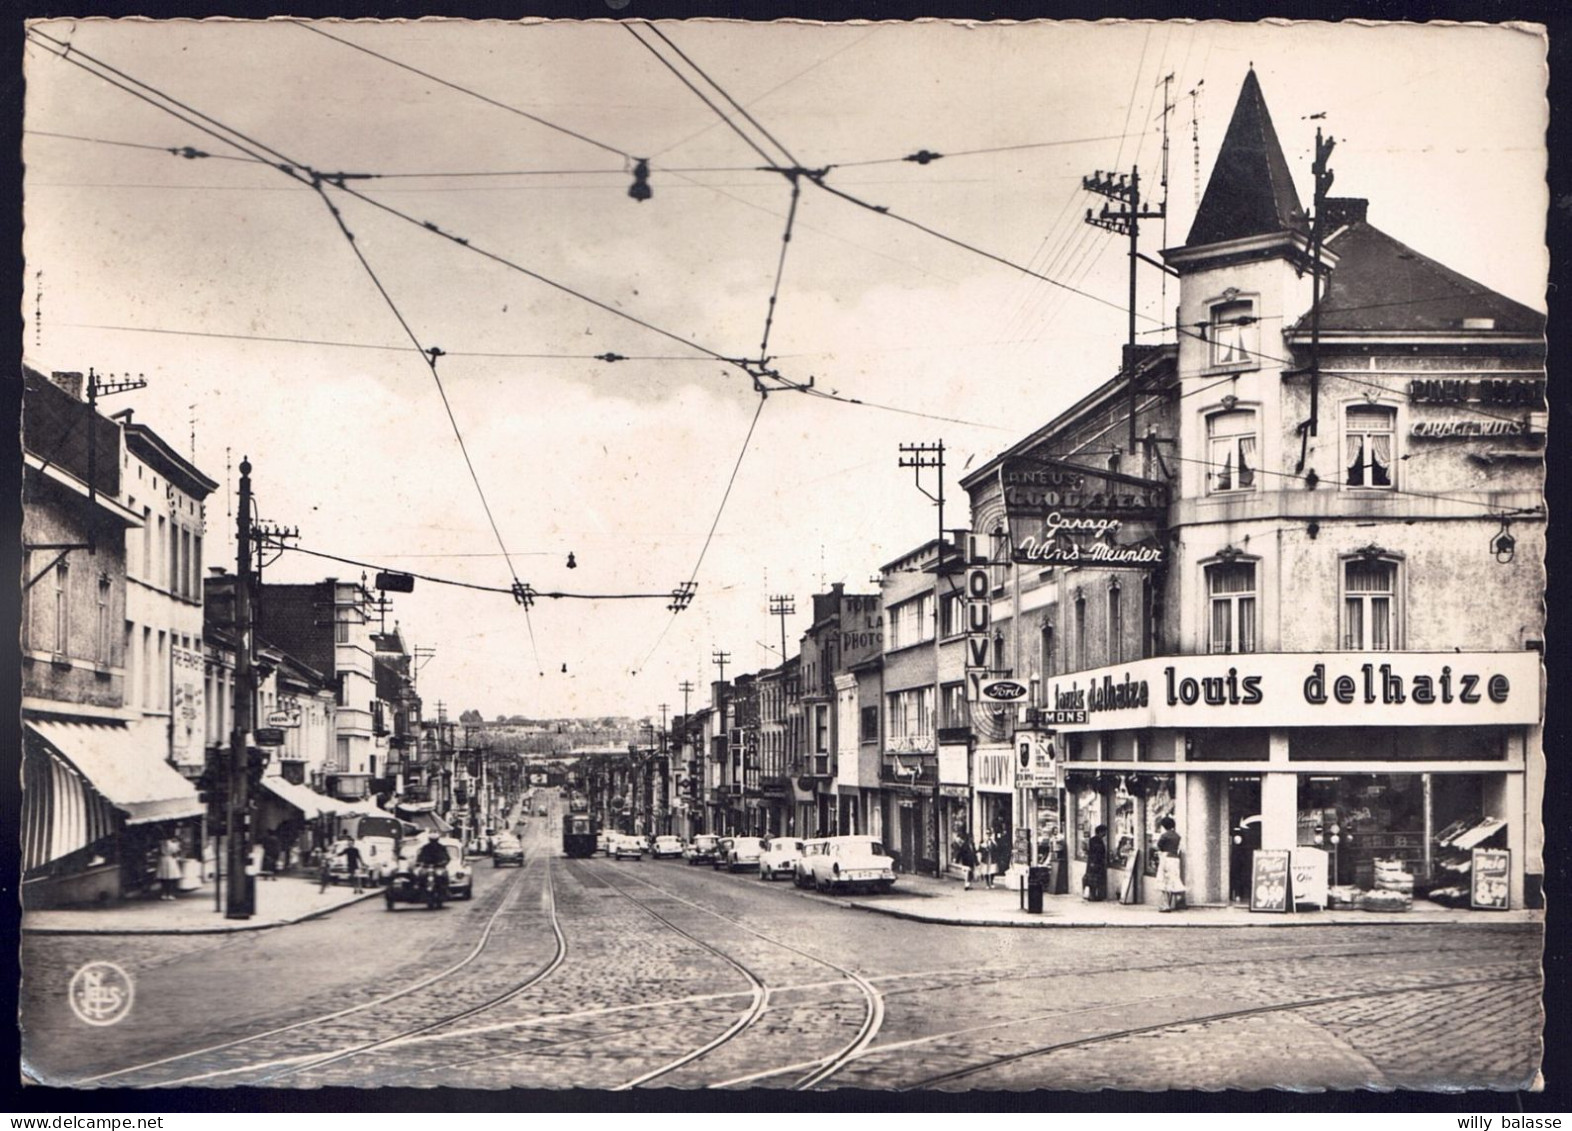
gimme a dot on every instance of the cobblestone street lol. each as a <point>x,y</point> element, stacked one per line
<point>669,975</point>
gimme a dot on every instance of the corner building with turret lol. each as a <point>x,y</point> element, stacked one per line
<point>1305,611</point>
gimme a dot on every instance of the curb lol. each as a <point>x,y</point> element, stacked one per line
<point>267,925</point>
<point>1279,921</point>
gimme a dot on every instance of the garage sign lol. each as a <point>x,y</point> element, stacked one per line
<point>1004,690</point>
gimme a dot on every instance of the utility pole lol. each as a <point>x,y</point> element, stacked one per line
<point>1323,182</point>
<point>919,457</point>
<point>1125,221</point>
<point>720,660</point>
<point>686,687</point>
<point>241,903</point>
<point>783,606</point>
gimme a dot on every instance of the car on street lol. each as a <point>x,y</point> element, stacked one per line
<point>801,875</point>
<point>722,857</point>
<point>666,847</point>
<point>507,849</point>
<point>624,846</point>
<point>603,842</point>
<point>701,849</point>
<point>779,857</point>
<point>461,882</point>
<point>743,855</point>
<point>847,862</point>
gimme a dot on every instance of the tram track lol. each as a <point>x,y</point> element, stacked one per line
<point>996,1062</point>
<point>418,986</point>
<point>873,1016</point>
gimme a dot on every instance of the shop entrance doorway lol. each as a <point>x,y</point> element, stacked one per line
<point>909,829</point>
<point>1244,836</point>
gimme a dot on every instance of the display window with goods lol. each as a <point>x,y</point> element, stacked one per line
<point>1159,804</point>
<point>1122,835</point>
<point>1395,838</point>
<point>1088,815</point>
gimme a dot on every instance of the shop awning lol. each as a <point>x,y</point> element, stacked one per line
<point>307,800</point>
<point>422,816</point>
<point>61,812</point>
<point>130,773</point>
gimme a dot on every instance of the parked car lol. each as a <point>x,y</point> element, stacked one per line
<point>701,849</point>
<point>722,858</point>
<point>743,855</point>
<point>666,846</point>
<point>846,862</point>
<point>801,875</point>
<point>623,846</point>
<point>779,857</point>
<point>507,849</point>
<point>460,878</point>
<point>603,843</point>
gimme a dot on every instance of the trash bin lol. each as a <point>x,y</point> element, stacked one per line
<point>1037,880</point>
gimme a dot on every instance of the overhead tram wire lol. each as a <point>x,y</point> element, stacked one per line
<point>297,172</point>
<point>719,113</point>
<point>556,595</point>
<point>186,151</point>
<point>693,578</point>
<point>465,90</point>
<point>429,356</point>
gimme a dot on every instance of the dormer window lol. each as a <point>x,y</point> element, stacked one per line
<point>1231,332</point>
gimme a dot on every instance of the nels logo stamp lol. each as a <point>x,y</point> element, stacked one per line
<point>101,993</point>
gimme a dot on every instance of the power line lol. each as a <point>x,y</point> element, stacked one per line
<point>185,151</point>
<point>768,160</point>
<point>694,576</point>
<point>607,357</point>
<point>465,90</point>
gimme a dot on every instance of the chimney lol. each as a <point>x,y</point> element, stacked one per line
<point>70,382</point>
<point>1340,210</point>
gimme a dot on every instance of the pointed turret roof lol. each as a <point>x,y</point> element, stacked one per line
<point>1250,192</point>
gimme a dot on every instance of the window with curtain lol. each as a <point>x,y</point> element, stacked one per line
<point>1231,592</point>
<point>1369,605</point>
<point>1369,433</point>
<point>1232,334</point>
<point>1231,445</point>
<point>104,628</point>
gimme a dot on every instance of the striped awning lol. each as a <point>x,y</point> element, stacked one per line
<point>61,812</point>
<point>130,773</point>
<point>307,800</point>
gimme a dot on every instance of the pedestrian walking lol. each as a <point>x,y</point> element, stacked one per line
<point>168,868</point>
<point>353,864</point>
<point>270,855</point>
<point>985,853</point>
<point>1170,875</point>
<point>966,856</point>
<point>1094,885</point>
<point>1001,851</point>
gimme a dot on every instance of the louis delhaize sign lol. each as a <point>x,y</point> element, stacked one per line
<point>1305,689</point>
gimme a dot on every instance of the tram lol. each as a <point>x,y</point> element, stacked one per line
<point>579,832</point>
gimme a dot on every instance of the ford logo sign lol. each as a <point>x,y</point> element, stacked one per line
<point>1004,690</point>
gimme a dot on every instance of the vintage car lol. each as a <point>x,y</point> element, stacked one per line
<point>801,875</point>
<point>722,857</point>
<point>846,862</point>
<point>701,849</point>
<point>664,847</point>
<point>624,846</point>
<point>743,855</point>
<point>507,849</point>
<point>779,857</point>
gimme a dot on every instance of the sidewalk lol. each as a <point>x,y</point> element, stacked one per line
<point>930,900</point>
<point>288,899</point>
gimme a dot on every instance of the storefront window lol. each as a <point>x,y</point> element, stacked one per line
<point>1088,815</point>
<point>1159,804</point>
<point>1122,839</point>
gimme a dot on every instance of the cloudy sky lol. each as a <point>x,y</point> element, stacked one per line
<point>232,287</point>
